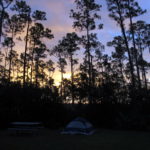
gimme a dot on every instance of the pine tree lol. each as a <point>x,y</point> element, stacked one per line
<point>39,48</point>
<point>85,16</point>
<point>60,53</point>
<point>70,42</point>
<point>13,26</point>
<point>133,10</point>
<point>4,4</point>
<point>117,12</point>
<point>140,32</point>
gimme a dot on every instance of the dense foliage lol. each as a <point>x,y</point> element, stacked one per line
<point>116,86</point>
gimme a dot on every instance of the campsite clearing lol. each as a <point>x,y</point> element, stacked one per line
<point>53,140</point>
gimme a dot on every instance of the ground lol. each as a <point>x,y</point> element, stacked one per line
<point>53,140</point>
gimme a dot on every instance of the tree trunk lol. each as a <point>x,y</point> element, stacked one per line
<point>36,72</point>
<point>10,64</point>
<point>1,22</point>
<point>134,46</point>
<point>61,90</point>
<point>127,46</point>
<point>5,63</point>
<point>143,67</point>
<point>89,61</point>
<point>72,79</point>
<point>10,58</point>
<point>25,53</point>
<point>32,64</point>
<point>121,69</point>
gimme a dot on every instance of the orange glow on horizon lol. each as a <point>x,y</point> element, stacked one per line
<point>57,77</point>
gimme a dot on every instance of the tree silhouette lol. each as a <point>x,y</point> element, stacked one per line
<point>70,42</point>
<point>140,34</point>
<point>13,26</point>
<point>7,44</point>
<point>85,15</point>
<point>134,10</point>
<point>60,52</point>
<point>4,4</point>
<point>117,12</point>
<point>24,12</point>
<point>37,33</point>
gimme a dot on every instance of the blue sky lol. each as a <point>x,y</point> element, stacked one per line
<point>58,17</point>
<point>59,22</point>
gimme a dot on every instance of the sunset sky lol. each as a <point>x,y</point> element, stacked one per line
<point>59,22</point>
<point>58,17</point>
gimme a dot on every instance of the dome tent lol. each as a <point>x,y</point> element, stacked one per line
<point>79,126</point>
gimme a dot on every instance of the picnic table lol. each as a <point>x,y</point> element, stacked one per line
<point>23,128</point>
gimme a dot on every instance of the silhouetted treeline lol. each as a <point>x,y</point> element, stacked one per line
<point>114,85</point>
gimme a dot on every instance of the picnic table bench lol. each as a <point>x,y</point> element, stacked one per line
<point>24,128</point>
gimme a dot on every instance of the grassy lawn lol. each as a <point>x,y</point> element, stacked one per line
<point>101,140</point>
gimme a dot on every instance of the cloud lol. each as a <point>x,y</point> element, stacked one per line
<point>63,29</point>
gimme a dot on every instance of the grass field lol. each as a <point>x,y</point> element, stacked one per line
<point>53,140</point>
